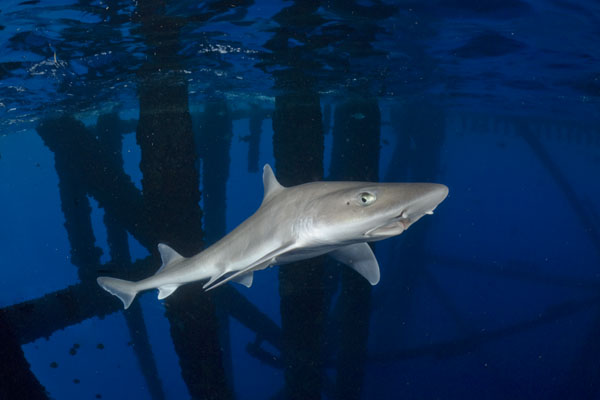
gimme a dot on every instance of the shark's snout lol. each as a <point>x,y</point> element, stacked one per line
<point>425,198</point>
<point>440,192</point>
<point>426,202</point>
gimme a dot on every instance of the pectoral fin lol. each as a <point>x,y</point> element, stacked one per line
<point>359,257</point>
<point>261,263</point>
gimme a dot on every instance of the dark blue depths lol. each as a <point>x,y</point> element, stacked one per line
<point>125,124</point>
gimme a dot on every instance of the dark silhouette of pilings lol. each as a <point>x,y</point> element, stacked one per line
<point>355,156</point>
<point>356,140</point>
<point>214,132</point>
<point>170,181</point>
<point>298,148</point>
<point>41,317</point>
<point>82,157</point>
<point>16,379</point>
<point>257,116</point>
<point>28,321</point>
<point>298,138</point>
<point>143,351</point>
<point>74,188</point>
<point>109,131</point>
<point>171,196</point>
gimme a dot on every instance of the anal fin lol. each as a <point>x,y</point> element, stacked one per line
<point>245,279</point>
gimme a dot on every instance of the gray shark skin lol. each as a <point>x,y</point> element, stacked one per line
<point>296,223</point>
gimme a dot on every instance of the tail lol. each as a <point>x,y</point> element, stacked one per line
<point>124,290</point>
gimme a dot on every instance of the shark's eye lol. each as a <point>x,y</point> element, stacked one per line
<point>366,198</point>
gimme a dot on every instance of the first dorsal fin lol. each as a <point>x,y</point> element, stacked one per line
<point>272,186</point>
<point>168,256</point>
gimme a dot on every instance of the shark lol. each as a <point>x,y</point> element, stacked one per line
<point>295,223</point>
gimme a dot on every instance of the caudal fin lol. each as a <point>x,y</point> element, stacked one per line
<point>124,290</point>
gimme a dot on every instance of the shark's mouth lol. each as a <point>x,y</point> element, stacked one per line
<point>395,226</point>
<point>392,228</point>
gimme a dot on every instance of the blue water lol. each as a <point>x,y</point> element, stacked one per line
<point>495,296</point>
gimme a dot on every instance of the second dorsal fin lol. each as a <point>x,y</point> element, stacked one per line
<point>168,256</point>
<point>270,183</point>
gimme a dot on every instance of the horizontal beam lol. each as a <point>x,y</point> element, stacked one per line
<point>41,317</point>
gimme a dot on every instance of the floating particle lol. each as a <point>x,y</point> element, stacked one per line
<point>76,381</point>
<point>100,346</point>
<point>53,364</point>
<point>72,351</point>
<point>76,346</point>
<point>98,396</point>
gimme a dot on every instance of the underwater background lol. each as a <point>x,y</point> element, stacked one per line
<point>128,123</point>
